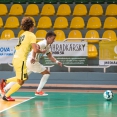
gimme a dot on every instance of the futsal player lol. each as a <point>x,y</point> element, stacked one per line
<point>27,41</point>
<point>36,67</point>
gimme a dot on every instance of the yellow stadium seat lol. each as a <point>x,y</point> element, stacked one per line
<point>41,34</point>
<point>16,9</point>
<point>48,10</point>
<point>60,23</point>
<point>60,35</point>
<point>32,9</point>
<point>80,10</point>
<point>77,22</point>
<point>111,10</point>
<point>92,51</point>
<point>92,34</point>
<point>110,34</point>
<point>7,34</point>
<point>94,23</point>
<point>20,32</point>
<point>110,23</point>
<point>1,22</point>
<point>63,10</point>
<point>3,9</point>
<point>44,22</point>
<point>96,10</point>
<point>74,34</point>
<point>12,22</point>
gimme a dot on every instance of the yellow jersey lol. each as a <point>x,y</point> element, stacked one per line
<point>24,45</point>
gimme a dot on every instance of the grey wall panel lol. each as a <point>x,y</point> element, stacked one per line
<point>71,78</point>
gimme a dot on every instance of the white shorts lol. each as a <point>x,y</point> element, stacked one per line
<point>36,67</point>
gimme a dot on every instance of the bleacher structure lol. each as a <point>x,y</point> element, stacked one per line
<point>67,18</point>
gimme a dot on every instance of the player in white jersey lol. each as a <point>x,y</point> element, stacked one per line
<point>33,64</point>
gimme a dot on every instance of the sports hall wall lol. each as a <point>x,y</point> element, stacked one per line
<point>89,76</point>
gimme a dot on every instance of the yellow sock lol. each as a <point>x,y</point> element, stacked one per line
<point>13,89</point>
<point>13,79</point>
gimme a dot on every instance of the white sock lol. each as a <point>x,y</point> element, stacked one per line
<point>43,82</point>
<point>8,86</point>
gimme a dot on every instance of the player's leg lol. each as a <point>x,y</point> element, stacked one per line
<point>4,82</point>
<point>9,85</point>
<point>42,83</point>
<point>21,75</point>
<point>39,68</point>
<point>13,79</point>
<point>6,88</point>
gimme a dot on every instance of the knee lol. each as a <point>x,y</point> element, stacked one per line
<point>47,72</point>
<point>20,82</point>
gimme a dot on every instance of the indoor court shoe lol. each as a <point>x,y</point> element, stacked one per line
<point>41,93</point>
<point>8,98</point>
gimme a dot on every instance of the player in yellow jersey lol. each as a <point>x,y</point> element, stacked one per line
<point>27,41</point>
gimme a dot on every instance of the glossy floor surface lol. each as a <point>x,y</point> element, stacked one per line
<point>59,104</point>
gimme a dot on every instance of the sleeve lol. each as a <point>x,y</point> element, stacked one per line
<point>48,51</point>
<point>41,44</point>
<point>32,38</point>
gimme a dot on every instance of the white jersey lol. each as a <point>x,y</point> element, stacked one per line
<point>43,45</point>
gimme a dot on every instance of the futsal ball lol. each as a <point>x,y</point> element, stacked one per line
<point>108,94</point>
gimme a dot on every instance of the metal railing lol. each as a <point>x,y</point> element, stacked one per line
<point>67,39</point>
<point>101,66</point>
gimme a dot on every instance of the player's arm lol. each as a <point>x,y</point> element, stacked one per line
<point>36,49</point>
<point>53,59</point>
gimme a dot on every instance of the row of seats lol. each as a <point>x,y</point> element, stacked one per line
<point>73,35</point>
<point>62,23</point>
<point>63,10</point>
<point>60,1</point>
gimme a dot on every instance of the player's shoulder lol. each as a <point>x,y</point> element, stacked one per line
<point>31,34</point>
<point>43,42</point>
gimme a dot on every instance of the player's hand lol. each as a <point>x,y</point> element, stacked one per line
<point>59,63</point>
<point>32,61</point>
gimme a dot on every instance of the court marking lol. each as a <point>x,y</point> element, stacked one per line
<point>18,103</point>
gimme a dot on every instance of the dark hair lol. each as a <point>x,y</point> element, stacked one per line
<point>50,34</point>
<point>27,23</point>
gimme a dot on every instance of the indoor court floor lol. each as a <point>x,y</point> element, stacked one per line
<point>59,104</point>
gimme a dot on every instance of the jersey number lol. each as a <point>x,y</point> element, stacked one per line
<point>20,40</point>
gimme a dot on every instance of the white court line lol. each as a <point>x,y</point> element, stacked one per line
<point>17,104</point>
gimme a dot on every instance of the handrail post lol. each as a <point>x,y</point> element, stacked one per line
<point>69,69</point>
<point>104,70</point>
